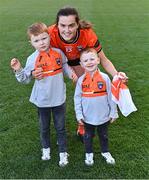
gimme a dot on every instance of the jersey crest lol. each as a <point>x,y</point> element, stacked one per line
<point>80,48</point>
<point>100,84</point>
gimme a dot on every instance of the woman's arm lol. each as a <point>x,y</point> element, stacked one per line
<point>107,64</point>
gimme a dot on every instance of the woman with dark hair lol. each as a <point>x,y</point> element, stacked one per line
<point>72,35</point>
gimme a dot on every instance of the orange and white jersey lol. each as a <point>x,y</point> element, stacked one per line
<point>85,38</point>
<point>50,62</point>
<point>93,86</point>
<point>92,99</point>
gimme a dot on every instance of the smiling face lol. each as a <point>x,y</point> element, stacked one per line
<point>68,27</point>
<point>89,61</point>
<point>40,42</point>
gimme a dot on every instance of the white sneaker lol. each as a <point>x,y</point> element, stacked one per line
<point>89,161</point>
<point>45,154</point>
<point>63,159</point>
<point>108,157</point>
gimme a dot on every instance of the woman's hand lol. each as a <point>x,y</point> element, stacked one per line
<point>123,77</point>
<point>74,77</point>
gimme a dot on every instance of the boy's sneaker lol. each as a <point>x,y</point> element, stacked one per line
<point>45,154</point>
<point>89,161</point>
<point>63,159</point>
<point>108,157</point>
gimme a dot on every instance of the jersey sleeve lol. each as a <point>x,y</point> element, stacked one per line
<point>24,75</point>
<point>93,41</point>
<point>78,100</point>
<point>52,31</point>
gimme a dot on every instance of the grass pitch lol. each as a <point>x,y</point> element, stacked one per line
<point>122,28</point>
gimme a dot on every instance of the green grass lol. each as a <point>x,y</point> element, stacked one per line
<point>122,27</point>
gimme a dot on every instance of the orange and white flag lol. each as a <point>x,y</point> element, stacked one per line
<point>121,95</point>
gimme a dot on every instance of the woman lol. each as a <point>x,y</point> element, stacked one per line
<point>72,35</point>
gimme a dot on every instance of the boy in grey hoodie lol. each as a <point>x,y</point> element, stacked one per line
<point>93,105</point>
<point>49,90</point>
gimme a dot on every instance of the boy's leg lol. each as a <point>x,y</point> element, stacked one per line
<point>88,143</point>
<point>44,122</point>
<point>59,123</point>
<point>58,113</point>
<point>103,136</point>
<point>88,137</point>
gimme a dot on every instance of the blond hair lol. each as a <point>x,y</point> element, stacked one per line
<point>36,29</point>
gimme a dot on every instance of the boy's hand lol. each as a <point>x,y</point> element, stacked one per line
<point>80,122</point>
<point>15,64</point>
<point>112,120</point>
<point>80,129</point>
<point>38,73</point>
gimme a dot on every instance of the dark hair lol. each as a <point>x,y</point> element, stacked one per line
<point>66,11</point>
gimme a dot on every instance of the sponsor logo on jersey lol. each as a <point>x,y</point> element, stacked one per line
<point>68,48</point>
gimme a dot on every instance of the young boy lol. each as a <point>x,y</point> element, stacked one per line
<point>93,105</point>
<point>49,91</point>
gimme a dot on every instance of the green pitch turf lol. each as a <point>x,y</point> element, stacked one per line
<point>123,30</point>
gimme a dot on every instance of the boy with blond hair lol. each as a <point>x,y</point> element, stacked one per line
<point>49,91</point>
<point>93,105</point>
